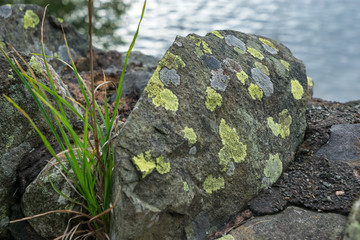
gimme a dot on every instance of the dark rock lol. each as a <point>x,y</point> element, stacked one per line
<point>194,152</point>
<point>293,223</point>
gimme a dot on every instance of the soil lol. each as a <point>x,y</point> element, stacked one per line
<point>309,182</point>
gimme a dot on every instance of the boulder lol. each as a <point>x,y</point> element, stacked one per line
<point>218,122</point>
<point>20,26</point>
<point>292,223</point>
<point>18,137</point>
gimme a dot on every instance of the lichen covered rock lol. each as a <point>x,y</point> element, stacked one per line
<point>218,122</point>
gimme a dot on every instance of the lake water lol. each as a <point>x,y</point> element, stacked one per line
<point>324,34</point>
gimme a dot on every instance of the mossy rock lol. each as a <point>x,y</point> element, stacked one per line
<point>218,122</point>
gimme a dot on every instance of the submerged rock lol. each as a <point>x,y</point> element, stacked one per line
<point>218,122</point>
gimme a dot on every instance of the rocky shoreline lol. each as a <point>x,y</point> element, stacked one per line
<point>311,200</point>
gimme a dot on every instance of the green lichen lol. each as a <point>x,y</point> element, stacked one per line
<point>35,65</point>
<point>310,82</point>
<point>144,163</point>
<point>242,76</point>
<point>216,33</point>
<point>255,53</point>
<point>285,64</point>
<point>239,50</point>
<point>262,68</point>
<point>171,60</point>
<point>268,43</point>
<point>233,148</point>
<point>226,237</point>
<point>186,187</point>
<point>198,52</point>
<point>213,99</point>
<point>273,168</point>
<point>190,135</point>
<point>283,127</point>
<point>2,45</point>
<point>160,95</point>
<point>30,19</point>
<point>255,91</point>
<point>60,20</point>
<point>296,89</point>
<point>212,184</point>
<point>162,166</point>
<point>199,42</point>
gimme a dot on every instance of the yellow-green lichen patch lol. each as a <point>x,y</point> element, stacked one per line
<point>269,46</point>
<point>198,52</point>
<point>190,135</point>
<point>2,45</point>
<point>255,53</point>
<point>186,187</point>
<point>309,81</point>
<point>162,166</point>
<point>283,127</point>
<point>60,20</point>
<point>212,184</point>
<point>262,68</point>
<point>213,99</point>
<point>273,168</point>
<point>30,19</point>
<point>35,65</point>
<point>171,60</point>
<point>144,163</point>
<point>285,64</point>
<point>296,89</point>
<point>216,33</point>
<point>199,42</point>
<point>239,50</point>
<point>255,91</point>
<point>242,76</point>
<point>161,96</point>
<point>226,237</point>
<point>233,148</point>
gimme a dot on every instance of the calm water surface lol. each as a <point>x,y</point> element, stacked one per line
<point>324,34</point>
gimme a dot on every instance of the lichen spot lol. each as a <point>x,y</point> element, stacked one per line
<point>242,76</point>
<point>144,163</point>
<point>296,89</point>
<point>162,166</point>
<point>30,19</point>
<point>226,237</point>
<point>60,20</point>
<point>285,64</point>
<point>190,135</point>
<point>216,33</point>
<point>186,187</point>
<point>255,53</point>
<point>233,148</point>
<point>283,127</point>
<point>160,95</point>
<point>212,184</point>
<point>255,91</point>
<point>35,65</point>
<point>234,42</point>
<point>2,45</point>
<point>273,168</point>
<point>269,46</point>
<point>201,43</point>
<point>171,60</point>
<point>213,99</point>
<point>262,68</point>
<point>310,81</point>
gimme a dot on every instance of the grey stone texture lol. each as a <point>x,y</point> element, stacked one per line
<point>293,223</point>
<point>192,154</point>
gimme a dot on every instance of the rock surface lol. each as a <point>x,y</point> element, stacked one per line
<point>293,223</point>
<point>218,122</point>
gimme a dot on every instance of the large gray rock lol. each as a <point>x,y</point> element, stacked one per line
<point>17,136</point>
<point>217,123</point>
<point>293,223</point>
